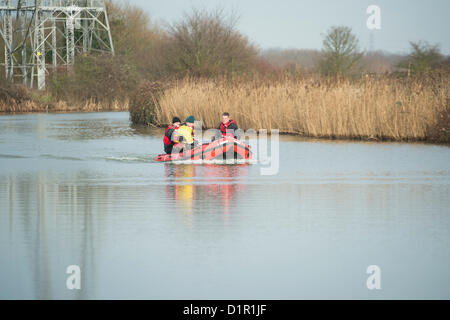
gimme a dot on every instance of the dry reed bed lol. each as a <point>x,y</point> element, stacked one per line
<point>61,106</point>
<point>397,109</point>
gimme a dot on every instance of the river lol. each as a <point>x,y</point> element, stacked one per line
<point>82,189</point>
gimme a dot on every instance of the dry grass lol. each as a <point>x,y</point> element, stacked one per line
<point>61,106</point>
<point>19,99</point>
<point>395,109</point>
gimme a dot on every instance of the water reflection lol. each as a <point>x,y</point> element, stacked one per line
<point>50,226</point>
<point>55,220</point>
<point>140,229</point>
<point>219,184</point>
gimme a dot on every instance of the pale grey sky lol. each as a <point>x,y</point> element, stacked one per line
<point>300,23</point>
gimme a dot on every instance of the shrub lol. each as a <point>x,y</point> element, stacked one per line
<point>440,132</point>
<point>423,57</point>
<point>144,103</point>
<point>98,78</point>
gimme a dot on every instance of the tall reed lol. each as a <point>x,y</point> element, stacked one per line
<point>370,108</point>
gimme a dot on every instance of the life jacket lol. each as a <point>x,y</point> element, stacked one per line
<point>167,137</point>
<point>186,132</point>
<point>224,128</point>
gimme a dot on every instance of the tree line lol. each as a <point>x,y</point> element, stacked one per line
<point>208,44</point>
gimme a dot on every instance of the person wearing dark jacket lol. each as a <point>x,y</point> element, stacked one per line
<point>168,135</point>
<point>228,127</point>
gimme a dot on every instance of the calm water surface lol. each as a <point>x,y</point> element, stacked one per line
<point>82,189</point>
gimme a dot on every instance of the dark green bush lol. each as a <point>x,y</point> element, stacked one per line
<point>145,102</point>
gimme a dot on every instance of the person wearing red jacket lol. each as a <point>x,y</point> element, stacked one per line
<point>168,135</point>
<point>228,127</point>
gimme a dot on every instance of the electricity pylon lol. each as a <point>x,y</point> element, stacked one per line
<point>40,35</point>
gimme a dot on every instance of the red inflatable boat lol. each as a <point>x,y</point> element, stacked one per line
<point>224,148</point>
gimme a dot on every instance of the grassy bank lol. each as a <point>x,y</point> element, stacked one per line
<point>370,108</point>
<point>19,99</point>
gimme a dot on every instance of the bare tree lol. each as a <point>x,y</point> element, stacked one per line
<point>340,53</point>
<point>208,43</point>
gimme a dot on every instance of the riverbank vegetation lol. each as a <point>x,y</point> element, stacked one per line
<point>203,65</point>
<point>374,108</point>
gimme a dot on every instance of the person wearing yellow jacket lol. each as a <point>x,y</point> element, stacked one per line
<point>184,135</point>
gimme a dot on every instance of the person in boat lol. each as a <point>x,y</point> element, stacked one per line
<point>168,135</point>
<point>228,127</point>
<point>184,135</point>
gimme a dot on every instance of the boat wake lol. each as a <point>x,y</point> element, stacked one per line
<point>214,161</point>
<point>130,159</point>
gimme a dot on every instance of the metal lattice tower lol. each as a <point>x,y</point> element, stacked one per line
<point>40,35</point>
<point>372,41</point>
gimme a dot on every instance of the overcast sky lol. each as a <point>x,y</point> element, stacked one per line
<point>301,23</point>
